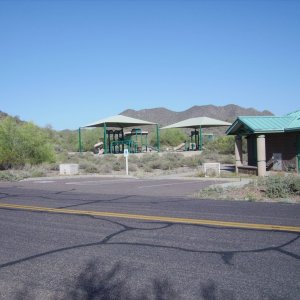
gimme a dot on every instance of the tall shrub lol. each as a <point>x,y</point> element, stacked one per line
<point>222,145</point>
<point>170,137</point>
<point>22,143</point>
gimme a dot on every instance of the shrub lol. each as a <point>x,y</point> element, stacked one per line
<point>227,159</point>
<point>276,187</point>
<point>22,143</point>
<point>8,176</point>
<point>147,158</point>
<point>223,145</point>
<point>88,167</point>
<point>132,168</point>
<point>105,168</point>
<point>281,186</point>
<point>172,161</point>
<point>294,183</point>
<point>193,161</point>
<point>37,173</point>
<point>116,166</point>
<point>170,137</point>
<point>154,164</point>
<point>89,137</point>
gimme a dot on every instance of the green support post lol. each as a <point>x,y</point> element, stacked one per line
<point>157,138</point>
<point>200,138</point>
<point>104,139</point>
<point>79,140</point>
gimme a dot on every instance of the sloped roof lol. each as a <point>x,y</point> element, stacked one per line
<point>295,124</point>
<point>198,122</point>
<point>119,121</point>
<point>265,124</point>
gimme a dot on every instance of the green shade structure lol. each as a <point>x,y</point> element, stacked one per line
<point>198,123</point>
<point>118,121</point>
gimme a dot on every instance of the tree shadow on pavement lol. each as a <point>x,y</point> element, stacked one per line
<point>97,282</point>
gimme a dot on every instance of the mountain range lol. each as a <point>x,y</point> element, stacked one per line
<point>164,116</point>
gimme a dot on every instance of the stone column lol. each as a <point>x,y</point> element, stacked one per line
<point>238,152</point>
<point>261,155</point>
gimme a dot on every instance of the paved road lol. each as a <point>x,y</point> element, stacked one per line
<point>47,255</point>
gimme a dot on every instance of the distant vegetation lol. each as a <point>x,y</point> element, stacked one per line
<point>23,143</point>
<point>170,137</point>
<point>35,151</point>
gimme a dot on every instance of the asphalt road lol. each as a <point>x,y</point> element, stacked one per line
<point>50,255</point>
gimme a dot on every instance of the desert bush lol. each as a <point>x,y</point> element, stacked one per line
<point>279,186</point>
<point>132,167</point>
<point>210,156</point>
<point>169,137</point>
<point>8,175</point>
<point>116,166</point>
<point>88,167</point>
<point>193,161</point>
<point>148,158</point>
<point>22,143</point>
<point>38,173</point>
<point>222,145</point>
<point>147,168</point>
<point>295,184</point>
<point>172,160</point>
<point>275,187</point>
<point>89,137</point>
<point>105,168</point>
<point>154,164</point>
<point>227,159</point>
<point>133,159</point>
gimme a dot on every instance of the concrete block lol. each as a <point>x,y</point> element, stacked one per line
<point>68,169</point>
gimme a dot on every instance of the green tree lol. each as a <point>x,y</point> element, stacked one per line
<point>170,137</point>
<point>222,145</point>
<point>90,137</point>
<point>22,143</point>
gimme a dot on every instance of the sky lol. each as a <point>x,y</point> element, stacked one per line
<point>70,63</point>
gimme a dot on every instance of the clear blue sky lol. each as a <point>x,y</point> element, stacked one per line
<point>69,63</point>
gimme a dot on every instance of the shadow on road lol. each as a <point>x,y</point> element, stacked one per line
<point>96,283</point>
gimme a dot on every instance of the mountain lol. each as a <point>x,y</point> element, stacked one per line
<point>3,115</point>
<point>164,116</point>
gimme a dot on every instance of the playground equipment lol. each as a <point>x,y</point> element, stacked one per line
<point>98,148</point>
<point>181,146</point>
<point>196,138</point>
<point>116,141</point>
<point>138,138</point>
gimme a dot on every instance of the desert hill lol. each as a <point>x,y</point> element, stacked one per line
<point>165,116</point>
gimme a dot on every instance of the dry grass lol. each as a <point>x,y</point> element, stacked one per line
<point>253,191</point>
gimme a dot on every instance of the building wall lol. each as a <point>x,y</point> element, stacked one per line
<point>277,144</point>
<point>284,144</point>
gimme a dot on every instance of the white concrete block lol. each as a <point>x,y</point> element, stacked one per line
<point>215,168</point>
<point>68,169</point>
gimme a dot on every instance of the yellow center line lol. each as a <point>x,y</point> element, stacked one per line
<point>153,218</point>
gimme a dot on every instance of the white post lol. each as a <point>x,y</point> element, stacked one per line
<point>238,152</point>
<point>261,155</point>
<point>126,159</point>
